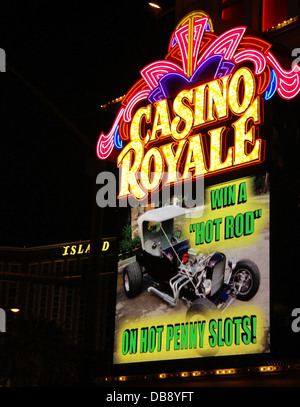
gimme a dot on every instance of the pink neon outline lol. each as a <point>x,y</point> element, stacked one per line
<point>288,85</point>
<point>199,27</point>
<point>182,37</point>
<point>226,44</point>
<point>105,143</point>
<point>152,72</point>
<point>137,97</point>
<point>288,81</point>
<point>258,59</point>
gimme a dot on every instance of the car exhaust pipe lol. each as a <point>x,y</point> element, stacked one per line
<point>170,300</point>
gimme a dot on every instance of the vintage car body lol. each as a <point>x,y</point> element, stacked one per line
<point>177,271</point>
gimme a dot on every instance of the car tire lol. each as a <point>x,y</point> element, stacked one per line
<point>249,271</point>
<point>201,306</point>
<point>203,309</point>
<point>132,279</point>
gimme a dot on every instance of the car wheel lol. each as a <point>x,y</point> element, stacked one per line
<point>246,274</point>
<point>200,310</point>
<point>132,279</point>
<point>202,306</point>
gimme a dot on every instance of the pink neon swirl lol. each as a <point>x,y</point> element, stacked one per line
<point>226,44</point>
<point>258,59</point>
<point>105,143</point>
<point>288,81</point>
<point>199,27</point>
<point>182,37</point>
<point>152,72</point>
<point>137,97</point>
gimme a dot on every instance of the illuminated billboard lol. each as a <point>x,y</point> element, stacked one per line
<point>197,283</point>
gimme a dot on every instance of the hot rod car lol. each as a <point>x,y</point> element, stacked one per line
<point>178,271</point>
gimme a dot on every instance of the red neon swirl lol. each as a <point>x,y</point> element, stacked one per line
<point>105,142</point>
<point>288,81</point>
<point>258,59</point>
<point>250,42</point>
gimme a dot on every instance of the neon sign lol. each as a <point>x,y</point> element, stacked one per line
<point>71,250</point>
<point>197,112</point>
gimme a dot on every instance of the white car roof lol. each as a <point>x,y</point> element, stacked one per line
<point>163,213</point>
<point>166,213</point>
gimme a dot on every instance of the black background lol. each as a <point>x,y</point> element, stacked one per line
<point>64,60</point>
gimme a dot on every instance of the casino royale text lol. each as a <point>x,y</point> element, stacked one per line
<point>212,128</point>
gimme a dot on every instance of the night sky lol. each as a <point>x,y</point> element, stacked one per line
<point>63,63</point>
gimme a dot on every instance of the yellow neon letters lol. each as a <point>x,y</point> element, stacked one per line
<point>169,137</point>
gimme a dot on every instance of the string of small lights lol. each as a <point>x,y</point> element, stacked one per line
<point>112,102</point>
<point>204,373</point>
<point>283,24</point>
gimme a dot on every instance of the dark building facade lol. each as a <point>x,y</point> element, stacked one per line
<point>50,282</point>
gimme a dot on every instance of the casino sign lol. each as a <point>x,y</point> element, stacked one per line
<point>199,111</point>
